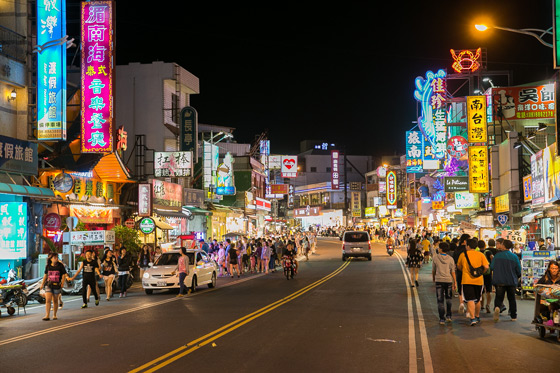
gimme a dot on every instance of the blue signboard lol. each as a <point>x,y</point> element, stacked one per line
<point>414,152</point>
<point>18,156</point>
<point>13,230</point>
<point>51,70</point>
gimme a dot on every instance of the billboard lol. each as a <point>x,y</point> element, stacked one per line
<point>466,200</point>
<point>536,102</point>
<point>289,166</point>
<point>172,164</point>
<point>51,70</point>
<point>97,32</point>
<point>188,131</point>
<point>537,177</point>
<point>13,216</point>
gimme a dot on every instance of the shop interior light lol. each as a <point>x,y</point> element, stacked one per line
<point>542,127</point>
<point>13,95</point>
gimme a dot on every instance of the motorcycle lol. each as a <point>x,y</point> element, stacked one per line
<point>390,250</point>
<point>12,295</point>
<point>289,266</point>
<point>33,290</point>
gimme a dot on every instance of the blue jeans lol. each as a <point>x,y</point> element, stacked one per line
<point>182,286</point>
<point>444,293</point>
<point>122,282</point>
<point>501,291</point>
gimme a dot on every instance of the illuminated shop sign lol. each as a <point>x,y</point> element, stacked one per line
<point>478,169</point>
<point>13,232</point>
<point>466,200</point>
<point>97,76</point>
<point>289,166</point>
<point>335,173</point>
<point>92,214</point>
<point>527,188</point>
<point>537,176</point>
<point>537,102</point>
<point>166,195</point>
<point>51,70</point>
<point>457,147</point>
<point>466,61</point>
<point>391,188</point>
<point>414,152</point>
<point>144,199</point>
<point>172,164</point>
<point>477,126</point>
<point>501,203</point>
<point>211,155</point>
<point>431,93</point>
<point>226,182</point>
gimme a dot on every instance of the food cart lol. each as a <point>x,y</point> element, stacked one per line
<point>533,267</point>
<point>548,297</point>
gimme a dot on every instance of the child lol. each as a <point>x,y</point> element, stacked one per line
<point>443,274</point>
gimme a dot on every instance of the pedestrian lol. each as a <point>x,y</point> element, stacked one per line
<point>157,254</point>
<point>414,262</point>
<point>54,277</point>
<point>541,244</point>
<point>506,270</point>
<point>233,260</point>
<point>273,256</point>
<point>90,266</point>
<point>461,248</point>
<point>549,244</point>
<point>443,274</point>
<point>489,252</point>
<point>305,246</point>
<point>551,277</point>
<point>221,258</point>
<point>183,270</point>
<point>204,246</point>
<point>472,282</point>
<point>265,256</point>
<point>108,270</point>
<point>96,258</point>
<point>426,248</point>
<point>144,259</point>
<point>244,263</point>
<point>258,256</point>
<point>124,262</point>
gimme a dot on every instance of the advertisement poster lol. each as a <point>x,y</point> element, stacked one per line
<point>537,175</point>
<point>527,188</point>
<point>536,102</point>
<point>466,200</point>
<point>92,214</point>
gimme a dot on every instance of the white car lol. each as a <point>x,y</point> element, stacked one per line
<point>163,273</point>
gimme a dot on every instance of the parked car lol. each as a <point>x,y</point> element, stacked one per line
<point>163,274</point>
<point>356,244</point>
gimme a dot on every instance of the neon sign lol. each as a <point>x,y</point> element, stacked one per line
<point>97,76</point>
<point>391,188</point>
<point>431,93</point>
<point>466,61</point>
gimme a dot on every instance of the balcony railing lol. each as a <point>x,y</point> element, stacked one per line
<point>13,45</point>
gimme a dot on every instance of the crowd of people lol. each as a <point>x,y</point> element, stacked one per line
<point>473,269</point>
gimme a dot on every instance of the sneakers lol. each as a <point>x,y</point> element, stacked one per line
<point>496,314</point>
<point>84,305</point>
<point>503,308</point>
<point>477,320</point>
<point>97,302</point>
<point>462,308</point>
<point>441,322</point>
<point>448,319</point>
<point>487,309</point>
<point>180,295</point>
<point>473,322</point>
<point>120,295</point>
<point>514,318</point>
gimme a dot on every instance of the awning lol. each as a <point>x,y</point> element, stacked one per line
<point>171,214</point>
<point>25,190</point>
<point>532,216</point>
<point>162,225</point>
<point>197,211</point>
<point>111,168</point>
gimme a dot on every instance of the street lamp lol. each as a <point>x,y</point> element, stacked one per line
<point>488,80</point>
<point>534,32</point>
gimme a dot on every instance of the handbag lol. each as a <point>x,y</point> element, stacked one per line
<point>475,272</point>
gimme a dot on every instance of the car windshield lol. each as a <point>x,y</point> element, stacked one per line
<point>170,259</point>
<point>356,237</point>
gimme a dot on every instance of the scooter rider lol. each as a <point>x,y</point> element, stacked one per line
<point>290,253</point>
<point>390,243</point>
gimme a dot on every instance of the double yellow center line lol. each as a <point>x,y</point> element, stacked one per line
<point>192,346</point>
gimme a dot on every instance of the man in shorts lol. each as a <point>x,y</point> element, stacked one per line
<point>472,286</point>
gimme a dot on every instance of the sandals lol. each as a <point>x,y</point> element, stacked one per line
<point>46,318</point>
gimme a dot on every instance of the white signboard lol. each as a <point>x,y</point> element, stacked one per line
<point>168,164</point>
<point>289,166</point>
<point>88,238</point>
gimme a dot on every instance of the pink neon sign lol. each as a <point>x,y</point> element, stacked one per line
<point>97,76</point>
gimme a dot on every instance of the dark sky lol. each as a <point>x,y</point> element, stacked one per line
<point>340,71</point>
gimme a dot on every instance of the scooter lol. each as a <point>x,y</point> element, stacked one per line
<point>390,250</point>
<point>289,267</point>
<point>33,290</point>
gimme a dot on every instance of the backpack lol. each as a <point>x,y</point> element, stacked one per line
<point>249,251</point>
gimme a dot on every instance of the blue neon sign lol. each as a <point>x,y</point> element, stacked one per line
<point>51,70</point>
<point>13,230</point>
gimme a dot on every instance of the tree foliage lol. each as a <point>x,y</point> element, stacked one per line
<point>127,237</point>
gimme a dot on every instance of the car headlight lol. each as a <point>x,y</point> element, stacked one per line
<point>146,275</point>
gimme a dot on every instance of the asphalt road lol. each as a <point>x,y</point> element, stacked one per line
<point>354,316</point>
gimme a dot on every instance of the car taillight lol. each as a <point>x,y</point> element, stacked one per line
<point>369,246</point>
<point>342,247</point>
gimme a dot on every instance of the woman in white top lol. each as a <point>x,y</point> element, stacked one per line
<point>265,256</point>
<point>221,259</point>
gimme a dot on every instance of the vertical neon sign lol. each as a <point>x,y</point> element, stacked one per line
<point>51,70</point>
<point>97,76</point>
<point>431,93</point>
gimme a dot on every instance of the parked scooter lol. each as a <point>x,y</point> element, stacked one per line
<point>33,290</point>
<point>390,250</point>
<point>12,295</point>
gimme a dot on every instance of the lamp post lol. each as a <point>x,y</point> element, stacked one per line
<point>534,32</point>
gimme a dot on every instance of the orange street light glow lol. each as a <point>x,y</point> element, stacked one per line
<point>481,27</point>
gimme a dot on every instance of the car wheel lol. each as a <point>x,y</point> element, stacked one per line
<point>343,258</point>
<point>149,291</point>
<point>369,257</point>
<point>212,283</point>
<point>193,284</point>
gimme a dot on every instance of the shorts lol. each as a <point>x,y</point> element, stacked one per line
<point>472,293</point>
<point>488,283</point>
<point>54,291</point>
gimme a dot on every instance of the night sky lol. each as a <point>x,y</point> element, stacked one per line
<point>340,71</point>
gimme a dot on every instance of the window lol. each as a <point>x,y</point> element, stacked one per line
<point>313,169</point>
<point>328,169</point>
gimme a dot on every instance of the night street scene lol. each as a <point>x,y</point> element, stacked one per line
<point>308,186</point>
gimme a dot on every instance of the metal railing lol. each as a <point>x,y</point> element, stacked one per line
<point>13,45</point>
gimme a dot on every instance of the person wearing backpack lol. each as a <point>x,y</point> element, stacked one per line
<point>472,264</point>
<point>506,272</point>
<point>489,252</point>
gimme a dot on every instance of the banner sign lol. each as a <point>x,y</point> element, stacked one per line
<point>13,216</point>
<point>537,176</point>
<point>279,189</point>
<point>431,93</point>
<point>369,212</point>
<point>527,188</point>
<point>188,131</point>
<point>90,238</point>
<point>335,175</point>
<point>466,200</point>
<point>478,169</point>
<point>538,102</point>
<point>51,70</point>
<point>501,203</point>
<point>92,214</point>
<point>167,195</point>
<point>226,182</point>
<point>97,33</point>
<point>18,156</point>
<point>144,199</point>
<point>289,166</point>
<point>172,164</point>
<point>456,184</point>
<point>391,189</point>
<point>477,127</point>
<point>356,204</point>
<point>307,211</point>
<point>414,152</point>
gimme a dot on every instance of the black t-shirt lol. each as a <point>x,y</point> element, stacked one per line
<point>54,275</point>
<point>108,267</point>
<point>89,268</point>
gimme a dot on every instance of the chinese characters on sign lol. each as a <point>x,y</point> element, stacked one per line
<point>289,166</point>
<point>97,76</point>
<point>526,102</point>
<point>172,164</point>
<point>166,195</point>
<point>476,119</point>
<point>188,130</point>
<point>537,176</point>
<point>391,189</point>
<point>13,231</point>
<point>18,156</point>
<point>335,173</point>
<point>51,70</point>
<point>502,203</point>
<point>144,199</point>
<point>356,204</point>
<point>527,188</point>
<point>88,238</point>
<point>478,169</point>
<point>414,151</point>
